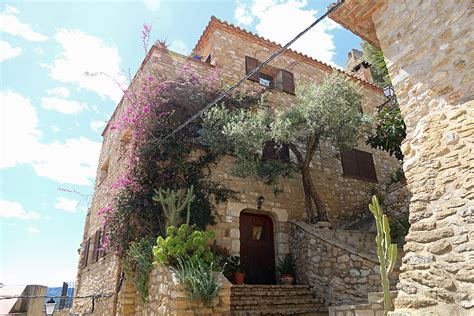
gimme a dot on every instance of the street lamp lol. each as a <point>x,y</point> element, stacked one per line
<point>49,306</point>
<point>388,92</point>
<point>260,201</point>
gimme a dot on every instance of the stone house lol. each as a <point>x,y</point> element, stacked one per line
<point>345,186</point>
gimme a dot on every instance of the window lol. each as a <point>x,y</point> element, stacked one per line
<point>104,170</point>
<point>97,245</point>
<point>274,151</point>
<point>270,76</point>
<point>208,59</point>
<point>358,164</point>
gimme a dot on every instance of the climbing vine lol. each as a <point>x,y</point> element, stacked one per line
<point>156,107</point>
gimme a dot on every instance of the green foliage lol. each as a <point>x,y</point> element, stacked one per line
<point>184,242</point>
<point>386,251</point>
<point>379,69</point>
<point>331,110</point>
<point>138,263</point>
<point>394,177</point>
<point>198,280</point>
<point>390,131</point>
<point>234,265</point>
<point>174,203</point>
<point>400,227</point>
<point>287,265</point>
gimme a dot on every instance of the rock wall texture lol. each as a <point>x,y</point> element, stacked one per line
<point>167,297</point>
<point>428,49</point>
<point>342,269</point>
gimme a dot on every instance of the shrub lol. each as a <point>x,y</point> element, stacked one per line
<point>287,265</point>
<point>138,263</point>
<point>184,242</point>
<point>198,279</point>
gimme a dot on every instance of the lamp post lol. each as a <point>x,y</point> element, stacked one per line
<point>49,306</point>
<point>388,92</point>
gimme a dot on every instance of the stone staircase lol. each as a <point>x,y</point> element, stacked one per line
<point>275,300</point>
<point>363,241</point>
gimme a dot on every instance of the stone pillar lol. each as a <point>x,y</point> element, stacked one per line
<point>429,50</point>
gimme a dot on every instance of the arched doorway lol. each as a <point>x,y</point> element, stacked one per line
<point>257,249</point>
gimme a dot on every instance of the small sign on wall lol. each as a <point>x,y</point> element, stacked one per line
<point>228,219</point>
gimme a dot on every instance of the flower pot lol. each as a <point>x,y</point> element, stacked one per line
<point>239,278</point>
<point>288,279</point>
<point>403,180</point>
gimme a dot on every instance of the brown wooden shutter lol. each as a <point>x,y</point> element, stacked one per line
<point>251,64</point>
<point>284,153</point>
<point>85,254</point>
<point>288,82</point>
<point>366,165</point>
<point>269,152</point>
<point>350,166</point>
<point>95,252</point>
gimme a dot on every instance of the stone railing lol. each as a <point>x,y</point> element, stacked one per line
<point>337,271</point>
<point>167,297</point>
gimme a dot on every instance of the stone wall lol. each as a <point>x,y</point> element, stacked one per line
<point>396,200</point>
<point>428,51</point>
<point>167,297</point>
<point>339,272</point>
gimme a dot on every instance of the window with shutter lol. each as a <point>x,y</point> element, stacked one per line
<point>85,254</point>
<point>358,164</point>
<point>95,252</point>
<point>251,64</point>
<point>273,151</point>
<point>288,82</point>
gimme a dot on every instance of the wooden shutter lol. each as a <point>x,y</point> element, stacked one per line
<point>288,82</point>
<point>269,152</point>
<point>85,254</point>
<point>279,80</point>
<point>251,64</point>
<point>366,165</point>
<point>284,153</point>
<point>95,252</point>
<point>350,166</point>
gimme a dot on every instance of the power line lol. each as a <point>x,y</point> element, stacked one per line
<point>95,296</point>
<point>332,8</point>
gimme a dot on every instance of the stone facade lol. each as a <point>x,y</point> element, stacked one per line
<point>343,197</point>
<point>341,266</point>
<point>167,297</point>
<point>428,50</point>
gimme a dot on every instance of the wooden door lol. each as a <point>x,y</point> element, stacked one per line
<point>257,248</point>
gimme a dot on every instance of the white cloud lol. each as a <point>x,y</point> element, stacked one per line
<point>7,51</point>
<point>152,5</point>
<point>68,205</point>
<point>33,230</point>
<point>179,47</point>
<point>9,209</point>
<point>281,21</point>
<point>39,51</point>
<point>73,161</point>
<point>59,92</point>
<point>88,62</point>
<point>9,23</point>
<point>97,126</point>
<point>62,105</point>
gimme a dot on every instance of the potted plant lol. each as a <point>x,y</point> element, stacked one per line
<point>286,267</point>
<point>234,267</point>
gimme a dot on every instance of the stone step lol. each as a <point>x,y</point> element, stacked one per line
<point>270,286</point>
<point>249,297</point>
<point>313,311</point>
<point>269,293</point>
<point>275,302</point>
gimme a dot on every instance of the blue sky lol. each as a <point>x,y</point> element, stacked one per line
<point>52,113</point>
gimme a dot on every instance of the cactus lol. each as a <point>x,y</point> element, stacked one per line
<point>386,251</point>
<point>173,203</point>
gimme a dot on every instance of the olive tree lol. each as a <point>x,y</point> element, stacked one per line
<point>331,110</point>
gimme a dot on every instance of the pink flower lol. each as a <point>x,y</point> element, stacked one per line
<point>146,109</point>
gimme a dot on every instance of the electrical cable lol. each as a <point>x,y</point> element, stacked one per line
<point>332,8</point>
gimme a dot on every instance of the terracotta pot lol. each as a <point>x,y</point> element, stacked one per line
<point>403,180</point>
<point>288,279</point>
<point>239,278</point>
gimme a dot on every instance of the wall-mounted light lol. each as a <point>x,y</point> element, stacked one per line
<point>49,306</point>
<point>260,201</point>
<point>388,92</point>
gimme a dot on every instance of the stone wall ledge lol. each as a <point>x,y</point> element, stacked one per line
<point>320,234</point>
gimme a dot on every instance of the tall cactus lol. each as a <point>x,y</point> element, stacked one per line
<point>386,251</point>
<point>173,203</point>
